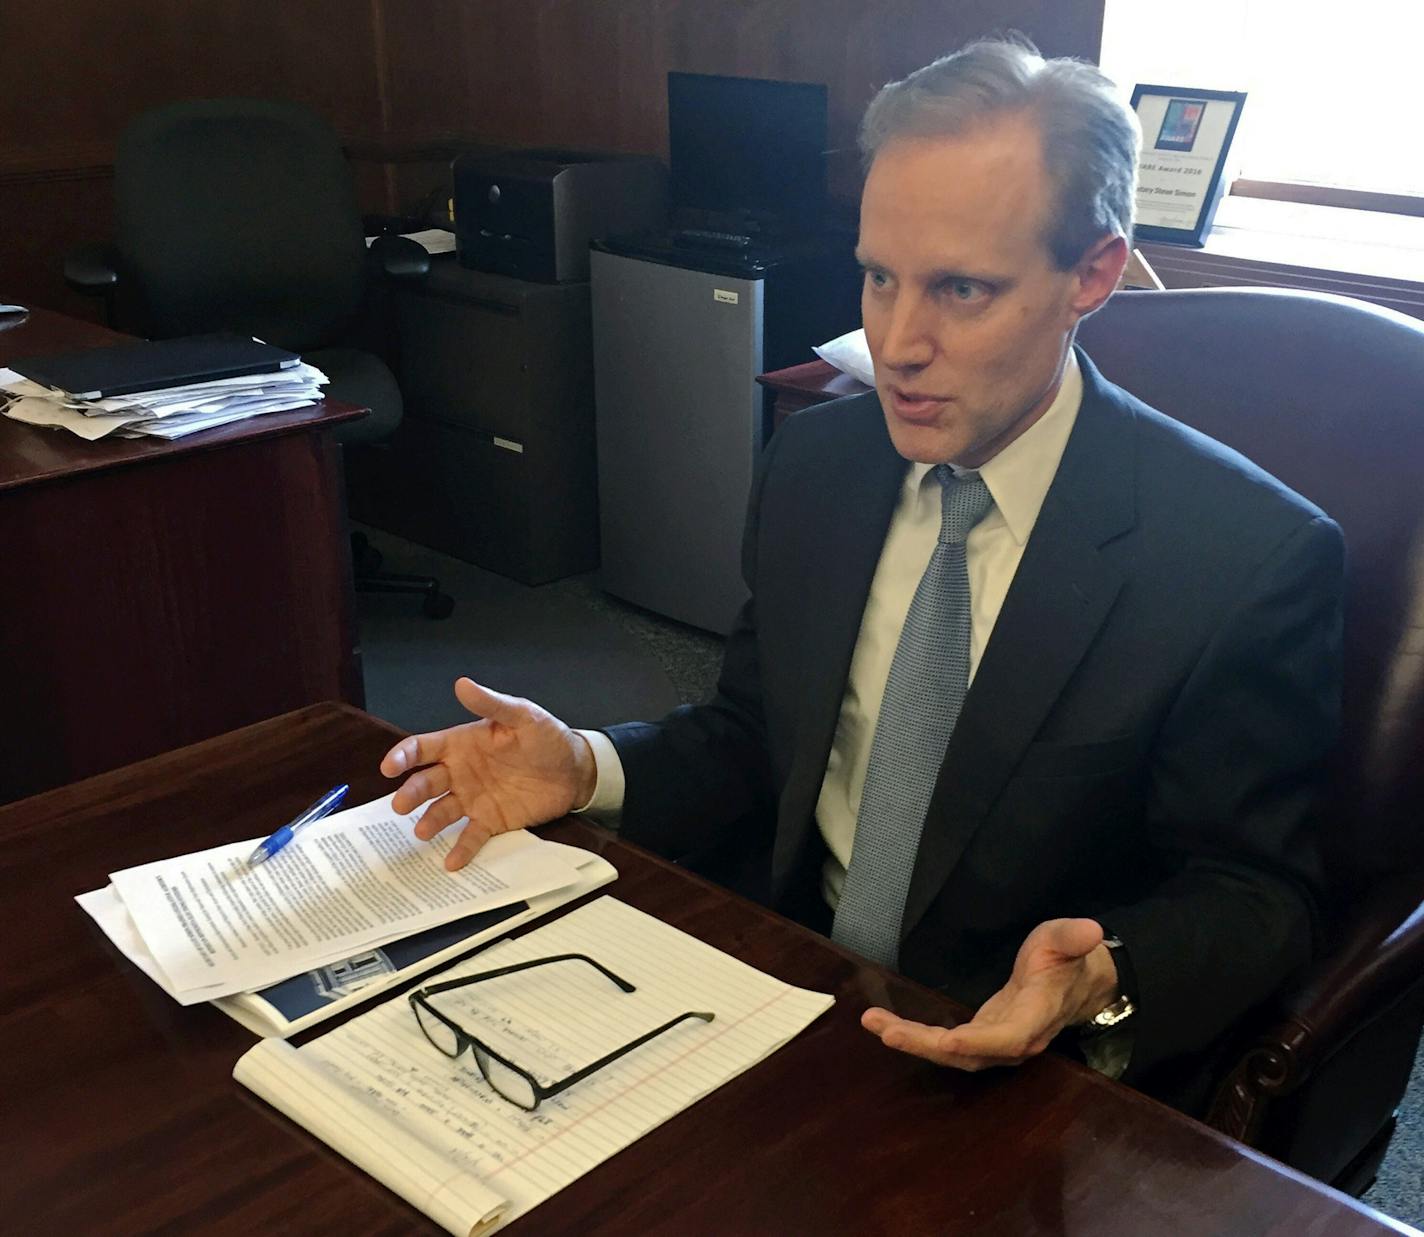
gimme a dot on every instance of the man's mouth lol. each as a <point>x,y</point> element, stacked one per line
<point>919,407</point>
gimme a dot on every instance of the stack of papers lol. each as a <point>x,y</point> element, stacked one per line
<point>205,925</point>
<point>169,413</point>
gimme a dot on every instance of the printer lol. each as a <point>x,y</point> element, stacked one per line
<point>532,213</point>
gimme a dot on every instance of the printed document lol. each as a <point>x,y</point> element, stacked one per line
<point>355,880</point>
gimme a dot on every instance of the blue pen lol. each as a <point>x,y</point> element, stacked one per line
<point>324,806</point>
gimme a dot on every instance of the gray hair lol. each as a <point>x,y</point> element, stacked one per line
<point>1090,137</point>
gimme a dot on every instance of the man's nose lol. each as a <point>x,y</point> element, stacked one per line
<point>908,340</point>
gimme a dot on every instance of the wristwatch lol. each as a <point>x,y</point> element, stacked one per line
<point>1122,1009</point>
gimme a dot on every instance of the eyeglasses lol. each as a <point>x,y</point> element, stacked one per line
<point>514,1083</point>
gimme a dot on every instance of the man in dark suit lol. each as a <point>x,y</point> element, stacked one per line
<point>1034,687</point>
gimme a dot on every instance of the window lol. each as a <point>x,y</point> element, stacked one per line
<point>1334,96</point>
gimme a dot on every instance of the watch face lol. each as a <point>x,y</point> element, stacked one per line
<point>1119,1011</point>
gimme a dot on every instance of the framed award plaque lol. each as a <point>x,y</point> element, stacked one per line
<point>1186,135</point>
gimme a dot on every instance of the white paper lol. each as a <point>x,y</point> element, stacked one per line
<point>191,423</point>
<point>107,910</point>
<point>351,1125</point>
<point>850,354</point>
<point>263,1019</point>
<point>551,1020</point>
<point>432,240</point>
<point>213,926</point>
<point>172,412</point>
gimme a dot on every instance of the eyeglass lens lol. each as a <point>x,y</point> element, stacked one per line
<point>509,1083</point>
<point>436,1031</point>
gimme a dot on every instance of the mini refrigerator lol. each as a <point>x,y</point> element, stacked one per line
<point>679,338</point>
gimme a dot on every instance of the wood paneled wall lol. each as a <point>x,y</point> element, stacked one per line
<point>593,73</point>
<point>77,71</point>
<point>394,76</point>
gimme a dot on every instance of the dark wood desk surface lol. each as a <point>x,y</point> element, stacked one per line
<point>801,386</point>
<point>32,454</point>
<point>120,1114</point>
<point>157,593</point>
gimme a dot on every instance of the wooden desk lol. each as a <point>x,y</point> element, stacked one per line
<point>157,593</point>
<point>801,386</point>
<point>120,1114</point>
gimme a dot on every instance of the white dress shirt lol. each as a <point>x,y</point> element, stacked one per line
<point>1018,478</point>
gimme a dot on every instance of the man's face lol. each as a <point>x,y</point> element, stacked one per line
<point>967,318</point>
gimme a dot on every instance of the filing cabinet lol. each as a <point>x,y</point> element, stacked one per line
<point>494,460</point>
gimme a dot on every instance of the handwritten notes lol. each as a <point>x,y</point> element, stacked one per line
<point>551,1020</point>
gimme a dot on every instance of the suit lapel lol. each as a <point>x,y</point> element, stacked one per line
<point>1062,591</point>
<point>848,515</point>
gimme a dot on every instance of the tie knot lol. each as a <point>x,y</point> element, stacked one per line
<point>965,501</point>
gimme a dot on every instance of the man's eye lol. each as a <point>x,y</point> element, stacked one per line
<point>964,289</point>
<point>877,279</point>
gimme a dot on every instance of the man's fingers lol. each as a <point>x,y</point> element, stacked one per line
<point>905,1036</point>
<point>467,846</point>
<point>421,786</point>
<point>491,705</point>
<point>441,814</point>
<point>966,1047</point>
<point>410,753</point>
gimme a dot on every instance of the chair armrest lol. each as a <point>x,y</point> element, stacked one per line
<point>399,257</point>
<point>92,269</point>
<point>1371,967</point>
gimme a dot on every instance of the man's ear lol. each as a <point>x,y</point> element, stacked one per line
<point>1098,272</point>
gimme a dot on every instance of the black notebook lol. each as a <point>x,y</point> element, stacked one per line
<point>156,365</point>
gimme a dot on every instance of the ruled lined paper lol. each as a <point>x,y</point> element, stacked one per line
<point>453,1143</point>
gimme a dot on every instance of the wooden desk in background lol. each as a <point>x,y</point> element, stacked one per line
<point>120,1114</point>
<point>155,593</point>
<point>801,386</point>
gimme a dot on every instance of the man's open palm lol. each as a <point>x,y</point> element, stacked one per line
<point>517,766</point>
<point>1062,976</point>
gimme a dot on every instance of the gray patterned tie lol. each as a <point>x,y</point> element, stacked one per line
<point>923,695</point>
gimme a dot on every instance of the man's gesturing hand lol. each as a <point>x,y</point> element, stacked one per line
<point>1063,975</point>
<point>518,766</point>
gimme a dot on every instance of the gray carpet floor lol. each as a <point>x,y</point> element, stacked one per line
<point>584,656</point>
<point>591,660</point>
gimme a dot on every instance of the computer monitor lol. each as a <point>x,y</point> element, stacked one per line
<point>747,149</point>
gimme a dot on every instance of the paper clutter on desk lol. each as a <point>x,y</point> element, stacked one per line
<point>168,412</point>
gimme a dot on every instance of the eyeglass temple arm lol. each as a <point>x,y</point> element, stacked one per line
<point>564,1083</point>
<point>432,989</point>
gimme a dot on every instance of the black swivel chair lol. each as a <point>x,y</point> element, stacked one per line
<point>240,214</point>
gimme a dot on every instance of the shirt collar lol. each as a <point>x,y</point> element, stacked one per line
<point>1018,477</point>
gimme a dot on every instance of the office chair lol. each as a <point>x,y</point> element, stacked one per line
<point>240,214</point>
<point>1327,393</point>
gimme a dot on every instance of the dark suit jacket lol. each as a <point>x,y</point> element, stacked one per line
<point>1141,744</point>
